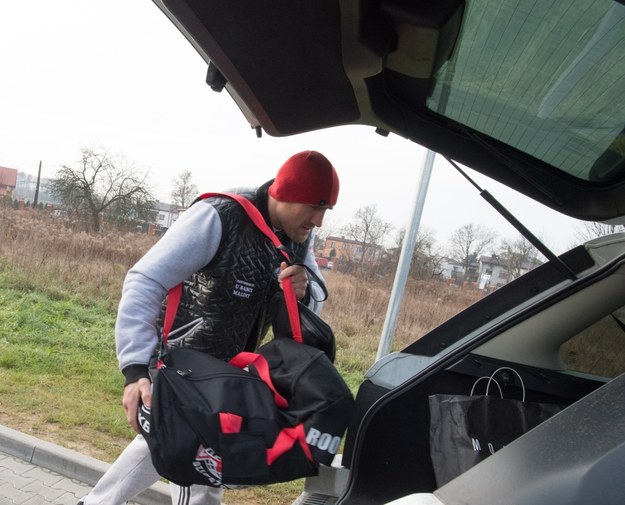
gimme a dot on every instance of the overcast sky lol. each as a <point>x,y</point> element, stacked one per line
<point>117,75</point>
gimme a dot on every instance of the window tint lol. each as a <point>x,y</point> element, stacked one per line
<point>544,78</point>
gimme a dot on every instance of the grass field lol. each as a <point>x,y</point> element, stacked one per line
<point>59,290</point>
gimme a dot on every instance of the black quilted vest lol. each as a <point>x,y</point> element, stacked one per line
<point>231,294</point>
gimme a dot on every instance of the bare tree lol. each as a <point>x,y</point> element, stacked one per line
<point>369,231</point>
<point>184,191</point>
<point>592,229</point>
<point>100,188</point>
<point>517,256</point>
<point>425,259</point>
<point>468,243</point>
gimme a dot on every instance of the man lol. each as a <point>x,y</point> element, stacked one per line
<point>215,248</point>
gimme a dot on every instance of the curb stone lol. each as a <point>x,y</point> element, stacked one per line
<point>70,464</point>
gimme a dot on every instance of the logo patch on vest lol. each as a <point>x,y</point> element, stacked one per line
<point>243,289</point>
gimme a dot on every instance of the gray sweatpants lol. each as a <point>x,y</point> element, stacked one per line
<point>133,473</point>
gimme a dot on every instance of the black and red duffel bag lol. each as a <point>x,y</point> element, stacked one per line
<point>264,417</point>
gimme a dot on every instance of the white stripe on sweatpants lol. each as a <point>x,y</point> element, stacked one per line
<point>195,495</point>
<point>183,497</point>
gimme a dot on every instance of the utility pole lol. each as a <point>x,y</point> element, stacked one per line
<point>405,257</point>
<point>36,202</point>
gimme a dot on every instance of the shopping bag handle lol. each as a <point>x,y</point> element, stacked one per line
<point>491,378</point>
<point>486,377</point>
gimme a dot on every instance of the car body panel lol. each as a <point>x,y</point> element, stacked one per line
<point>387,445</point>
<point>545,321</point>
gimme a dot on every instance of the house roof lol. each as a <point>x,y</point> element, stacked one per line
<point>166,207</point>
<point>344,240</point>
<point>8,177</point>
<point>491,260</point>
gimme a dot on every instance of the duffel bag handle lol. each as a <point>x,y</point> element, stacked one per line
<point>244,359</point>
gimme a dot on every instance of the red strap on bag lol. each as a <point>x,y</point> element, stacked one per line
<point>286,440</point>
<point>244,359</point>
<point>173,300</point>
<point>231,423</point>
<point>175,293</point>
<point>291,306</point>
<point>261,224</point>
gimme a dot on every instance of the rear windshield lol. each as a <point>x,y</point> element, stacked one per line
<point>543,77</point>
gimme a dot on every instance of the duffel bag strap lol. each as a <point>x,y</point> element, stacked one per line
<point>173,300</point>
<point>289,293</point>
<point>175,293</point>
<point>286,440</point>
<point>261,224</point>
<point>244,359</point>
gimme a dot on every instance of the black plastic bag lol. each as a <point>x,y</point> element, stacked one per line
<point>465,430</point>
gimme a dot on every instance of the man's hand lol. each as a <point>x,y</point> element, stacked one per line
<point>133,393</point>
<point>298,276</point>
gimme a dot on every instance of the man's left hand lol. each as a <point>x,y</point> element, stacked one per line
<point>299,279</point>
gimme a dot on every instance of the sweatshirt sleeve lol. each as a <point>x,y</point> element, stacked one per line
<point>186,247</point>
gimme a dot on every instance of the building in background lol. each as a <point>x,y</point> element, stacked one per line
<point>165,215</point>
<point>8,181</point>
<point>343,251</point>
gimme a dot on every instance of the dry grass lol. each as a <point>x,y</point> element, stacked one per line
<point>40,255</point>
<point>356,310</point>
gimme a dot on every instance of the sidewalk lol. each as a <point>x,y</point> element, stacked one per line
<point>35,472</point>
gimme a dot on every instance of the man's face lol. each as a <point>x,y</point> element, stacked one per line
<point>297,220</point>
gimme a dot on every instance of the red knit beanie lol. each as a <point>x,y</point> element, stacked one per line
<point>306,177</point>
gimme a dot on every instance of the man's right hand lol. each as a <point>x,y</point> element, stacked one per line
<point>133,393</point>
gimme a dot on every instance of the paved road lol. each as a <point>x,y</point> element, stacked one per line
<point>35,472</point>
